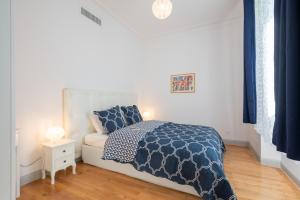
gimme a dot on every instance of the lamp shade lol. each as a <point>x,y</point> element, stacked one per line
<point>147,115</point>
<point>162,9</point>
<point>55,133</point>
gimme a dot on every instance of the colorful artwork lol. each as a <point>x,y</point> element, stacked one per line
<point>183,83</point>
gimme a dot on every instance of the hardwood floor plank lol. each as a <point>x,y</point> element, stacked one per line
<point>250,180</point>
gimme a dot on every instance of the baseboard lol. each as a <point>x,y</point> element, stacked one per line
<point>37,175</point>
<point>236,143</point>
<point>295,179</point>
<point>270,163</point>
<point>257,156</point>
<point>78,160</point>
<point>30,177</point>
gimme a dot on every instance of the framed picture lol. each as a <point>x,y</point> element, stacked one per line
<point>183,83</point>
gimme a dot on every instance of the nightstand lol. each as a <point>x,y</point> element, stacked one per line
<point>58,156</point>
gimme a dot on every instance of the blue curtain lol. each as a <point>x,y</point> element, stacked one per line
<point>249,115</point>
<point>286,134</point>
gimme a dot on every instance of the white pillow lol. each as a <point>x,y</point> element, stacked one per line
<point>97,124</point>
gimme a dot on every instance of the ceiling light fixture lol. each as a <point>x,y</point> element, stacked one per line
<point>162,9</point>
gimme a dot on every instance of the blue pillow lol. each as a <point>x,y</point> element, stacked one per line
<point>132,114</point>
<point>111,119</point>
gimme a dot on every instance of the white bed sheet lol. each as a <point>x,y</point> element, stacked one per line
<point>95,140</point>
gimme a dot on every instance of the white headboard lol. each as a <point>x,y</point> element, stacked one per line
<point>77,106</point>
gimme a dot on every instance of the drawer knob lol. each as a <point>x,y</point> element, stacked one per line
<point>64,151</point>
<point>65,161</point>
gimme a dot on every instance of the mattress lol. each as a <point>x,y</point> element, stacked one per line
<point>95,140</point>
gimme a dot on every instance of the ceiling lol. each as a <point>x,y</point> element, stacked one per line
<point>137,14</point>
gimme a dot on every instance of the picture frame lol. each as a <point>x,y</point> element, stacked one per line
<point>183,83</point>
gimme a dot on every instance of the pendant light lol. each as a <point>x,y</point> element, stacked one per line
<point>162,9</point>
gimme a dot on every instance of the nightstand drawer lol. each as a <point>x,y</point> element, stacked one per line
<point>63,162</point>
<point>64,151</point>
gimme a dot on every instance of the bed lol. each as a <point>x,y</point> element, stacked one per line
<point>79,103</point>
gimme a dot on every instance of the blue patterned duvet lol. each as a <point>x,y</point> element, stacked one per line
<point>186,154</point>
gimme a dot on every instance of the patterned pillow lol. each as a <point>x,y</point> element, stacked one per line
<point>131,114</point>
<point>111,119</point>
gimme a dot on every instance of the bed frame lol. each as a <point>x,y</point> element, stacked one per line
<point>77,105</point>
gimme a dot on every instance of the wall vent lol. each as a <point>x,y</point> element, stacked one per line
<point>91,16</point>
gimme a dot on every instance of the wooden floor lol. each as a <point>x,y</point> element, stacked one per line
<point>249,179</point>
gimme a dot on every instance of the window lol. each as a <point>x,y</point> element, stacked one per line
<point>265,67</point>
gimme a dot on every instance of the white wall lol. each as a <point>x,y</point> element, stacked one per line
<point>265,151</point>
<point>293,167</point>
<point>56,47</point>
<point>269,155</point>
<point>254,141</point>
<point>7,173</point>
<point>215,54</point>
